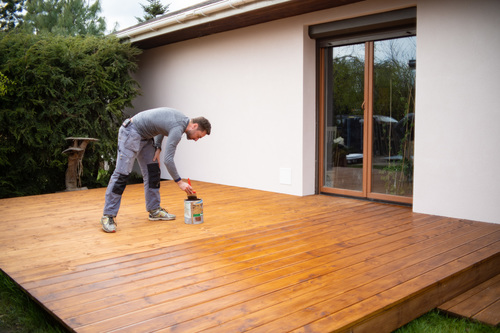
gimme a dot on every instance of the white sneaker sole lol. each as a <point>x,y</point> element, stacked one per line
<point>161,218</point>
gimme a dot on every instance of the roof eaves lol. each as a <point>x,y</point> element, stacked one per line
<point>213,17</point>
<point>202,13</point>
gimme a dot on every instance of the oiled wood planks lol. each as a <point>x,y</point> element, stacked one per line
<point>481,303</point>
<point>261,261</point>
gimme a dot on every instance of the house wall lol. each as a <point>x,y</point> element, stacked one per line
<point>257,85</point>
<point>457,134</point>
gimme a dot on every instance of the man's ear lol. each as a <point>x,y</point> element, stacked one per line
<point>194,126</point>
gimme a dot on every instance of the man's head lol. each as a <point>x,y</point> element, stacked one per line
<point>197,128</point>
<point>203,124</point>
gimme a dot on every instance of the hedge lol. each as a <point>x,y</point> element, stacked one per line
<point>60,87</point>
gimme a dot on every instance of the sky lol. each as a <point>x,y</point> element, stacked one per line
<point>125,11</point>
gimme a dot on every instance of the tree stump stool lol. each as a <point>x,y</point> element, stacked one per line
<point>75,167</point>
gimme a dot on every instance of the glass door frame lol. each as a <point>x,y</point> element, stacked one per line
<point>366,191</point>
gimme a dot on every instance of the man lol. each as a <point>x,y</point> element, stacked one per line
<point>140,137</point>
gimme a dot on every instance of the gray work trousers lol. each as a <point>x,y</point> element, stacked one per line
<point>132,146</point>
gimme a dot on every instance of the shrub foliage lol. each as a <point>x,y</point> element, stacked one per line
<point>60,87</point>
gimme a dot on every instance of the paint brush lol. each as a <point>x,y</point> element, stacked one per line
<point>192,196</point>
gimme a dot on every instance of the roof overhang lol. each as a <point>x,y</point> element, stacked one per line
<point>211,17</point>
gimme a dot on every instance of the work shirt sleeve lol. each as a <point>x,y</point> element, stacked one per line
<point>173,139</point>
<point>158,140</point>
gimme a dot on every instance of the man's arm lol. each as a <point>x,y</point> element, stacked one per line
<point>173,140</point>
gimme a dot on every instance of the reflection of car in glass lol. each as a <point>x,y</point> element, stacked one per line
<point>388,134</point>
<point>354,158</point>
<point>384,143</point>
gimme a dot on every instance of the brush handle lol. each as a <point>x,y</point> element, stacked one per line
<point>189,182</point>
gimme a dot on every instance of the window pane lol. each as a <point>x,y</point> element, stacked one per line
<point>393,116</point>
<point>344,121</point>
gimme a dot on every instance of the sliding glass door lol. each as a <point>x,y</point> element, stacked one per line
<point>366,119</point>
<point>344,117</point>
<point>393,117</point>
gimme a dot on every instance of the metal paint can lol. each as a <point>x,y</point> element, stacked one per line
<point>193,211</point>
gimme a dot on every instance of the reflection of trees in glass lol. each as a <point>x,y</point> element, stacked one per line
<point>393,81</point>
<point>347,98</point>
<point>393,106</point>
<point>394,91</point>
<point>348,83</point>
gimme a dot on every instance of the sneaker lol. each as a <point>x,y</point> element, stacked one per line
<point>160,214</point>
<point>108,223</point>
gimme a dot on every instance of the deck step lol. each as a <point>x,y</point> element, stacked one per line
<point>481,303</point>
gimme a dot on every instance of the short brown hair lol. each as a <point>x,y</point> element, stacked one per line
<point>203,124</point>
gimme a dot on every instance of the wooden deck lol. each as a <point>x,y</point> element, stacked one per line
<point>481,303</point>
<point>261,262</point>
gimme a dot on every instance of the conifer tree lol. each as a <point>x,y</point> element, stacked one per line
<point>64,17</point>
<point>151,11</point>
<point>11,14</point>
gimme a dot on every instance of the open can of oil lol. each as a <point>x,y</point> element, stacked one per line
<point>193,211</point>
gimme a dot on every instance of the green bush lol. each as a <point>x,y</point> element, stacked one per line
<point>60,87</point>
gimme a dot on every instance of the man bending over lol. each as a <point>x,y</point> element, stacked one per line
<point>140,137</point>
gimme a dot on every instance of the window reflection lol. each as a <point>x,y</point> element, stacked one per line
<point>393,116</point>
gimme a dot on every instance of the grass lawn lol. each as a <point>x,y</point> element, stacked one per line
<point>437,322</point>
<point>20,314</point>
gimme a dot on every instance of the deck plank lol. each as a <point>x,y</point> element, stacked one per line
<point>490,315</point>
<point>481,303</point>
<point>288,271</point>
<point>261,261</point>
<point>259,264</point>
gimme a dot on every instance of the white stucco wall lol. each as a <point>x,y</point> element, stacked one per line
<point>457,153</point>
<point>257,85</point>
<point>257,89</point>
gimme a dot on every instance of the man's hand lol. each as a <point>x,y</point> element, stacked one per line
<point>156,158</point>
<point>185,187</point>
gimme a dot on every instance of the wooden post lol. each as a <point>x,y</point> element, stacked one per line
<point>75,166</point>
